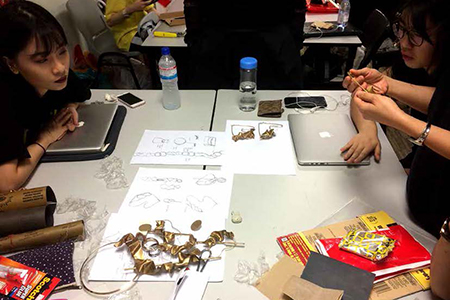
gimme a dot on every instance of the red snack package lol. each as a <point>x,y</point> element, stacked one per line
<point>407,255</point>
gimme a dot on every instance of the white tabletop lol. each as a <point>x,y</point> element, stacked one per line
<point>77,178</point>
<point>152,41</point>
<point>270,205</point>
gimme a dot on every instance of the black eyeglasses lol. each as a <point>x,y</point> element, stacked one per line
<point>414,38</point>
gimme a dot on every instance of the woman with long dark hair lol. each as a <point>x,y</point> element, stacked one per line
<point>423,31</point>
<point>38,90</point>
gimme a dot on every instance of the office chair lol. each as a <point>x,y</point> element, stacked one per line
<point>375,31</point>
<point>90,21</point>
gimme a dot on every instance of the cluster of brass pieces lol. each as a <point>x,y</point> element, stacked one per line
<point>243,134</point>
<point>186,254</point>
<point>250,133</point>
<point>270,132</point>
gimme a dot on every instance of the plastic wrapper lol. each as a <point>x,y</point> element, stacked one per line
<point>86,210</point>
<point>249,273</point>
<point>372,246</point>
<point>111,171</point>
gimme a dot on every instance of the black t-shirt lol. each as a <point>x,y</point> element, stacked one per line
<point>23,113</point>
<point>429,180</point>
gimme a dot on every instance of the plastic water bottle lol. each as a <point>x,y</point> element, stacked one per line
<point>344,13</point>
<point>247,85</point>
<point>169,80</point>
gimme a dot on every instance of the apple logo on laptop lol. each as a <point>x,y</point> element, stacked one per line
<point>325,134</point>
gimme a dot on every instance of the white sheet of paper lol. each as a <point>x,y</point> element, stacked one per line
<point>189,192</point>
<point>255,156</point>
<point>166,147</point>
<point>110,263</point>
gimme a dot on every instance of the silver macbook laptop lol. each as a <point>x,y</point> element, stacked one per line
<point>318,138</point>
<point>91,136</point>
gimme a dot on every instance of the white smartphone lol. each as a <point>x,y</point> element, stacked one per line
<point>130,100</point>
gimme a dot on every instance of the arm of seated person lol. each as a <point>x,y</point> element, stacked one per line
<point>440,269</point>
<point>117,11</point>
<point>14,173</point>
<point>365,142</point>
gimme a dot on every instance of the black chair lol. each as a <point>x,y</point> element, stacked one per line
<point>375,31</point>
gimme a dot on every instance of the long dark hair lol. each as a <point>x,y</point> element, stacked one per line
<point>437,13</point>
<point>20,22</point>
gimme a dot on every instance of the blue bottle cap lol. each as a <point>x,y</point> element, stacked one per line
<point>249,63</point>
<point>165,51</point>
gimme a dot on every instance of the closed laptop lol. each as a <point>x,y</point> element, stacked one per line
<point>89,138</point>
<point>318,138</point>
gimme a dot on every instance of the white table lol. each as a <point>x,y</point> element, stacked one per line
<point>270,205</point>
<point>277,205</point>
<point>152,41</point>
<point>77,178</point>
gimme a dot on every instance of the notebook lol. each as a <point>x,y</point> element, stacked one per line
<point>89,138</point>
<point>318,138</point>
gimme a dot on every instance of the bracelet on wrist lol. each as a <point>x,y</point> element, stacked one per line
<point>423,136</point>
<point>40,145</point>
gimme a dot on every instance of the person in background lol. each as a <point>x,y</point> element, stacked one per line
<point>39,91</point>
<point>123,16</point>
<point>440,264</point>
<point>424,33</point>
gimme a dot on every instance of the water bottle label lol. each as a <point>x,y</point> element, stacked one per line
<point>168,73</point>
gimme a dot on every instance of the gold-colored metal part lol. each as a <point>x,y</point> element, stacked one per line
<point>145,227</point>
<point>270,132</point>
<point>243,135</point>
<point>186,254</point>
<point>196,225</point>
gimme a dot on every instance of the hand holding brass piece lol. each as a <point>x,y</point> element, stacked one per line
<point>372,89</point>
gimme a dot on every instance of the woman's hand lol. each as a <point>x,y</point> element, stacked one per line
<point>366,78</point>
<point>139,5</point>
<point>361,146</point>
<point>378,108</point>
<point>56,128</point>
<point>72,109</point>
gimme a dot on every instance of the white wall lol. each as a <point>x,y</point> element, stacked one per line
<point>58,9</point>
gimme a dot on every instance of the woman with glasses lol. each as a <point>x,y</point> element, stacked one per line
<point>423,32</point>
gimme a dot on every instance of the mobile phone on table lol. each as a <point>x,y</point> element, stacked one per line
<point>130,100</point>
<point>305,102</point>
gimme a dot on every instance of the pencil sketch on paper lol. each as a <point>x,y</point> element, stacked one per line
<point>185,153</point>
<point>210,179</point>
<point>148,200</point>
<point>180,147</point>
<point>209,141</point>
<point>168,183</point>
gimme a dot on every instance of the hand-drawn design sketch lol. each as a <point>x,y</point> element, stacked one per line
<point>185,153</point>
<point>168,183</point>
<point>149,200</point>
<point>210,179</point>
<point>179,141</point>
<point>180,147</point>
<point>146,200</point>
<point>200,205</point>
<point>159,140</point>
<point>161,192</point>
<point>209,141</point>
